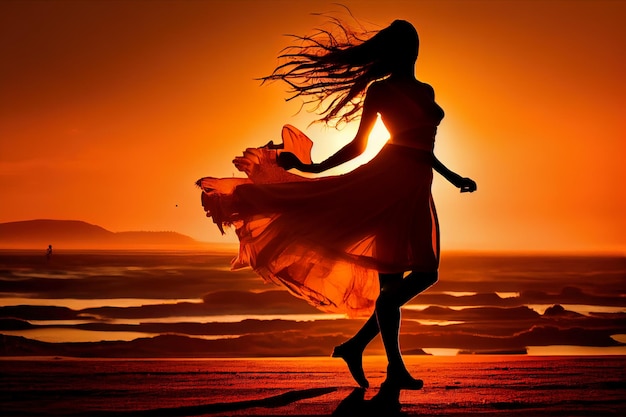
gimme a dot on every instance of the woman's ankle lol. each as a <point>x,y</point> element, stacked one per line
<point>351,347</point>
<point>400,378</point>
<point>397,368</point>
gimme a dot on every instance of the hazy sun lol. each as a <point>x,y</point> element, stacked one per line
<point>327,142</point>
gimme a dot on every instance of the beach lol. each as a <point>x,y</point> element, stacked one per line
<point>453,386</point>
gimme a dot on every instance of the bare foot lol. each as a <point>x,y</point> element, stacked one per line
<point>354,360</point>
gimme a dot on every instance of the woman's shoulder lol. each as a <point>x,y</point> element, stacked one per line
<point>377,86</point>
<point>376,91</point>
<point>381,88</point>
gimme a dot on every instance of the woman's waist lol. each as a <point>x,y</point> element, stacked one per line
<point>421,138</point>
<point>410,153</point>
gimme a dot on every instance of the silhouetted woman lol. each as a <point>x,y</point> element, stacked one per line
<point>344,242</point>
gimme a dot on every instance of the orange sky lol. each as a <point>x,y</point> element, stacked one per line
<point>109,111</point>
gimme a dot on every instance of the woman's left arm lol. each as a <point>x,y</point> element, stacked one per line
<point>463,183</point>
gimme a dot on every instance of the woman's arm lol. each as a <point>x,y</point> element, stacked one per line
<point>465,184</point>
<point>350,151</point>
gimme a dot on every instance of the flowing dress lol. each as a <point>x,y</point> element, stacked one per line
<point>325,239</point>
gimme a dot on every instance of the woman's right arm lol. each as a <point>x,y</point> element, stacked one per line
<point>350,151</point>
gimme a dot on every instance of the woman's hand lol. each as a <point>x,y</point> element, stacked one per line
<point>466,185</point>
<point>271,145</point>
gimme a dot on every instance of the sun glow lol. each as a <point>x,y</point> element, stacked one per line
<point>327,142</point>
<point>377,139</point>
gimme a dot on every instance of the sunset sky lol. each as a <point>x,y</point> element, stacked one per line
<point>109,111</point>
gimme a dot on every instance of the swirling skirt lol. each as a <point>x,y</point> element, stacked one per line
<point>325,239</point>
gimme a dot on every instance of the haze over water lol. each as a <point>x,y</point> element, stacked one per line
<point>482,303</point>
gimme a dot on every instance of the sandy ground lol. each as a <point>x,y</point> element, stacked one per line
<point>454,386</point>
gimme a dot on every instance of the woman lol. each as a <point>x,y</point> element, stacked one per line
<point>331,240</point>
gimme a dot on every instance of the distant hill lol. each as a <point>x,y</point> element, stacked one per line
<point>75,234</point>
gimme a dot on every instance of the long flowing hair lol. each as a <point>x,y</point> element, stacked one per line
<point>332,68</point>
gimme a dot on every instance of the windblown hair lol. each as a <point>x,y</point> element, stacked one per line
<point>333,71</point>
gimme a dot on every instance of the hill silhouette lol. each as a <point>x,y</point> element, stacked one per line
<point>76,234</point>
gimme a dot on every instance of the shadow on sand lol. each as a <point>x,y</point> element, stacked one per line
<point>194,410</point>
<point>384,403</point>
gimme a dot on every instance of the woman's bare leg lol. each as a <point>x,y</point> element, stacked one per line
<point>398,291</point>
<point>388,317</point>
<point>352,350</point>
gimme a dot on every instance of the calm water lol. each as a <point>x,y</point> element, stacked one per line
<point>482,303</point>
<point>457,386</point>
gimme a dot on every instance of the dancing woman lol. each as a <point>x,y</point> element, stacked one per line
<point>344,242</point>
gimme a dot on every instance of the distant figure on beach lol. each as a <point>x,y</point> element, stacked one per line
<point>345,242</point>
<point>49,252</point>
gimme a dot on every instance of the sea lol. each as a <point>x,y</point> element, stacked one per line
<point>163,333</point>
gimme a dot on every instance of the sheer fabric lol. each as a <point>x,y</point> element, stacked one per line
<point>325,239</point>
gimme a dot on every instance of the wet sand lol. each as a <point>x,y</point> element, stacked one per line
<point>453,386</point>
